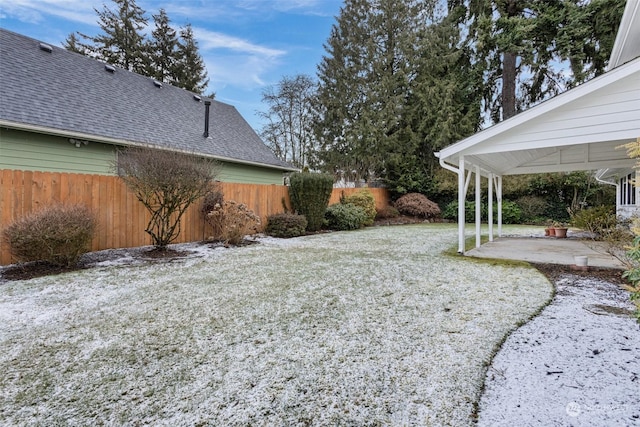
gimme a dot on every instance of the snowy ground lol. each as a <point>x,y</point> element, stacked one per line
<point>374,327</point>
<point>576,364</point>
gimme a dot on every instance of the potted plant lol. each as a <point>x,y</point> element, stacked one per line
<point>549,230</point>
<point>560,230</point>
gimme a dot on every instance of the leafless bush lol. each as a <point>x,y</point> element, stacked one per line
<point>166,183</point>
<point>58,234</point>
<point>231,221</point>
<point>416,204</point>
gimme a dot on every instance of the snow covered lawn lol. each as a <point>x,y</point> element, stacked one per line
<point>374,327</point>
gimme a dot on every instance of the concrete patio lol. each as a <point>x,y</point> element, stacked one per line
<point>547,250</point>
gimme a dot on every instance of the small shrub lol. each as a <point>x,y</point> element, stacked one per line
<point>309,194</point>
<point>345,216</point>
<point>596,220</point>
<point>166,183</point>
<point>231,221</point>
<point>365,200</point>
<point>451,211</point>
<point>511,212</point>
<point>532,208</point>
<point>286,225</point>
<point>416,204</point>
<point>57,234</point>
<point>633,275</point>
<point>387,212</point>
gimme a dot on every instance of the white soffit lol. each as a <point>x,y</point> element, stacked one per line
<point>577,130</point>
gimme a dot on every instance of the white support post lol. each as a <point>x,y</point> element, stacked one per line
<point>466,183</point>
<point>490,200</point>
<point>499,197</point>
<point>461,198</point>
<point>478,206</point>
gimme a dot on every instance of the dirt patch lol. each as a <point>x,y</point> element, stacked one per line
<point>141,255</point>
<point>34,269</point>
<point>403,220</point>
<point>557,271</point>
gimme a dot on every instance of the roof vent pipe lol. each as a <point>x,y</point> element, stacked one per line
<point>207,106</point>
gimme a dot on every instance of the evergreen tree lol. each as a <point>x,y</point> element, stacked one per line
<point>164,56</point>
<point>587,39</point>
<point>527,45</point>
<point>442,108</point>
<point>73,44</point>
<point>162,49</point>
<point>364,81</point>
<point>189,71</point>
<point>122,43</point>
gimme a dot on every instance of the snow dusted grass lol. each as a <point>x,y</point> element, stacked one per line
<point>374,327</point>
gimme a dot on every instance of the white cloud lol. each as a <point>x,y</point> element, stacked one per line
<point>243,71</point>
<point>235,61</point>
<point>36,11</point>
<point>209,40</point>
<point>313,7</point>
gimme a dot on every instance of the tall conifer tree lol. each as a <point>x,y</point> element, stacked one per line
<point>527,46</point>
<point>162,49</point>
<point>164,56</point>
<point>364,80</point>
<point>189,71</point>
<point>122,42</point>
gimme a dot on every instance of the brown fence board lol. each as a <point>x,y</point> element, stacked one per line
<point>122,219</point>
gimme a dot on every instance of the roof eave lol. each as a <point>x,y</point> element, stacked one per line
<point>128,143</point>
<point>540,109</point>
<point>628,23</point>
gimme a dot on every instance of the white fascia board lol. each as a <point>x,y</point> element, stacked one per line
<point>623,136</point>
<point>543,108</point>
<point>630,22</point>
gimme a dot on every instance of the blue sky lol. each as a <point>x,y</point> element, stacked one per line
<point>247,45</point>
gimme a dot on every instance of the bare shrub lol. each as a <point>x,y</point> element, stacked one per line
<point>416,204</point>
<point>231,221</point>
<point>57,234</point>
<point>166,183</point>
<point>211,199</point>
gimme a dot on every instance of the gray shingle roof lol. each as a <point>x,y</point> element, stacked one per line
<point>69,93</point>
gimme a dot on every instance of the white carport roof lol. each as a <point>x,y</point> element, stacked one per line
<point>580,129</point>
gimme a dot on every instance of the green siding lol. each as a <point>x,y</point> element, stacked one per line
<point>246,174</point>
<point>22,150</point>
<point>32,151</point>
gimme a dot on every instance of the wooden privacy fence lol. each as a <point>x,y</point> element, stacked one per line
<point>122,219</point>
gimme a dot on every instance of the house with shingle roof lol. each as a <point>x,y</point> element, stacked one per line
<point>64,112</point>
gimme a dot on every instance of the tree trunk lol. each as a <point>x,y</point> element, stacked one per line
<point>508,85</point>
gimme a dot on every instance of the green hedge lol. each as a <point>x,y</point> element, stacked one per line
<point>309,194</point>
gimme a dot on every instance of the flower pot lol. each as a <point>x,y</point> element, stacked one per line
<point>549,232</point>
<point>581,260</point>
<point>560,232</point>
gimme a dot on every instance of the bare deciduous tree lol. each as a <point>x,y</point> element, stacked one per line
<point>288,131</point>
<point>166,183</point>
